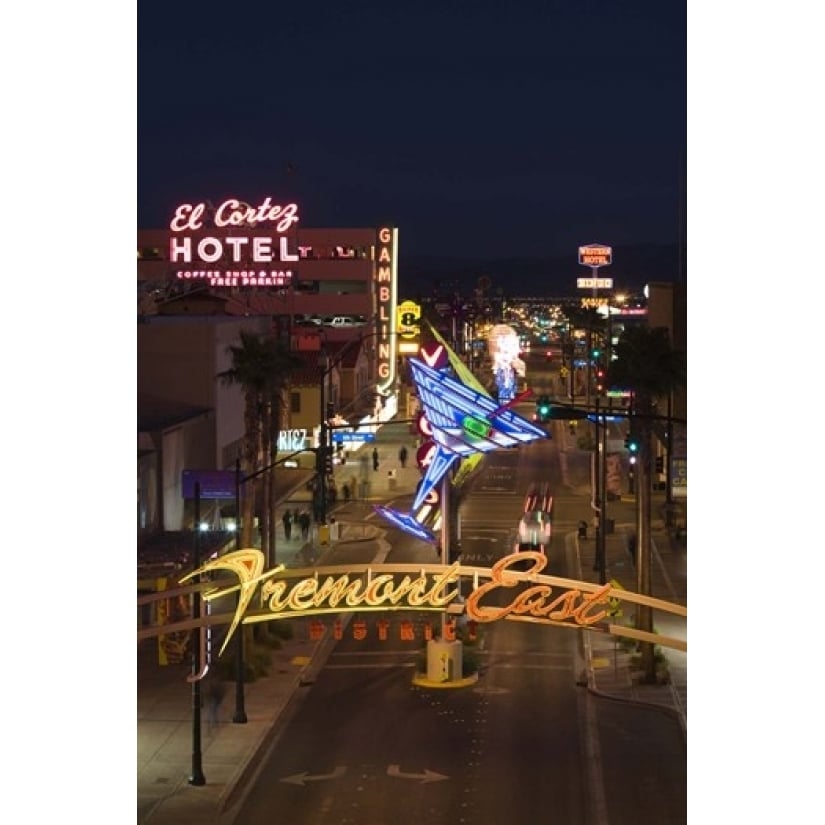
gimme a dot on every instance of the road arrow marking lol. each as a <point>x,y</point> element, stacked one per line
<point>303,778</point>
<point>427,776</point>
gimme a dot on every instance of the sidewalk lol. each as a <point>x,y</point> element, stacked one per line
<point>608,664</point>
<point>228,749</point>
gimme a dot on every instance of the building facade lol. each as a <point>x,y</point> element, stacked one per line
<point>330,294</point>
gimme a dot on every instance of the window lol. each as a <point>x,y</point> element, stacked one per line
<point>295,402</point>
<point>149,254</point>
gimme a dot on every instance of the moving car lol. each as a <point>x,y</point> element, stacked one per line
<point>535,529</point>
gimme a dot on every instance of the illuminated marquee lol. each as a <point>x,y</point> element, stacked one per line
<point>386,286</point>
<point>464,420</point>
<point>251,255</point>
<point>409,317</point>
<point>548,600</point>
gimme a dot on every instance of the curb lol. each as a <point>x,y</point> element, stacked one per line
<point>421,680</point>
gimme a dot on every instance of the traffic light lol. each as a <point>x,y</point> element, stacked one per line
<point>660,463</point>
<point>323,460</point>
<point>631,444</point>
<point>543,407</point>
<point>595,353</point>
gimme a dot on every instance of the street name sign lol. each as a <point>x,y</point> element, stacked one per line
<point>348,438</point>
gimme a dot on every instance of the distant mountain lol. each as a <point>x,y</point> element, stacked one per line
<point>632,268</point>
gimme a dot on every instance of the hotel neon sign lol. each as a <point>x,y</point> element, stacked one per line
<point>369,588</point>
<point>188,244</point>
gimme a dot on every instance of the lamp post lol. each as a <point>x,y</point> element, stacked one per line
<point>602,534</point>
<point>239,716</point>
<point>600,493</point>
<point>323,441</point>
<point>197,777</point>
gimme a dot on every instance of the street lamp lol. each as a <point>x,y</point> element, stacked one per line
<point>600,421</point>
<point>196,778</point>
<point>323,440</point>
<point>239,716</point>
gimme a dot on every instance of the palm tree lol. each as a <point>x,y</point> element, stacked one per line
<point>282,362</point>
<point>648,366</point>
<point>249,370</point>
<point>260,366</point>
<point>588,319</point>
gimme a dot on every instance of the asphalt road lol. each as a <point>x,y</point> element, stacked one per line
<point>526,743</point>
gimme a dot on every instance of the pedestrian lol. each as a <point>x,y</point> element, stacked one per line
<point>375,459</point>
<point>402,456</point>
<point>332,493</point>
<point>287,520</point>
<point>631,548</point>
<point>304,521</point>
<point>346,491</point>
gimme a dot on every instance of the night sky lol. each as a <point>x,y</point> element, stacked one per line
<point>483,130</point>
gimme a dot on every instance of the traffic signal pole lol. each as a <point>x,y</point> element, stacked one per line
<point>323,445</point>
<point>601,553</point>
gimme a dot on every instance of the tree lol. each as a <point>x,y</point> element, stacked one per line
<point>261,367</point>
<point>588,319</point>
<point>648,366</point>
<point>283,362</point>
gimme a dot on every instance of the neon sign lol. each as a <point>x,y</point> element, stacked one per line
<point>386,287</point>
<point>292,439</point>
<point>249,254</point>
<point>548,600</point>
<point>234,213</point>
<point>408,316</point>
<point>595,255</point>
<point>464,420</point>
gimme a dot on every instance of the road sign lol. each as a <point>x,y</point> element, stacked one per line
<point>349,438</point>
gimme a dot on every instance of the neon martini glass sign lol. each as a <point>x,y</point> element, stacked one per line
<point>464,421</point>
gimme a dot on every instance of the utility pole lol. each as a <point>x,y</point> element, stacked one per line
<point>644,614</point>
